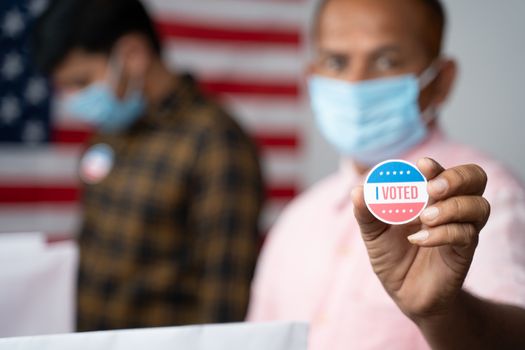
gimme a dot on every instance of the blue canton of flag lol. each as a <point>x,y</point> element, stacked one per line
<point>24,94</point>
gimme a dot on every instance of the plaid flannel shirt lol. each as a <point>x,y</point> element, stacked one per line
<point>169,237</point>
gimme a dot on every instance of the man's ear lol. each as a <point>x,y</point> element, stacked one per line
<point>136,55</point>
<point>309,70</point>
<point>445,81</point>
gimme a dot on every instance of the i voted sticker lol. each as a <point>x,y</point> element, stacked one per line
<point>396,192</point>
<point>96,163</point>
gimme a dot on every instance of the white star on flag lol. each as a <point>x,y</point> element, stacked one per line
<point>33,131</point>
<point>36,7</point>
<point>9,109</point>
<point>13,23</point>
<point>12,66</point>
<point>36,91</point>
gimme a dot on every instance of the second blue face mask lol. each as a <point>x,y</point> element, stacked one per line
<point>98,105</point>
<point>370,121</point>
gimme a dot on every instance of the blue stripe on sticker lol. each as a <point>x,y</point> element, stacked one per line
<point>395,172</point>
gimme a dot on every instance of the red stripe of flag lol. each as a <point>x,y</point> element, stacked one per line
<point>178,28</point>
<point>218,87</point>
<point>53,237</point>
<point>290,141</point>
<point>282,192</point>
<point>35,194</point>
<point>264,140</point>
<point>69,136</point>
<point>57,194</point>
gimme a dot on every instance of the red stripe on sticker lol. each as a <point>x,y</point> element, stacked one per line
<point>397,212</point>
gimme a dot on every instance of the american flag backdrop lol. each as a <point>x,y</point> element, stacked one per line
<point>247,54</point>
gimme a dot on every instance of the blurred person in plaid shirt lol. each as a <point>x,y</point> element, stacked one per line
<point>171,184</point>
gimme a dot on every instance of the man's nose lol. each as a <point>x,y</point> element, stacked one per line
<point>356,71</point>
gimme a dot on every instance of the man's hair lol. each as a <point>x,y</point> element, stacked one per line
<point>91,25</point>
<point>437,20</point>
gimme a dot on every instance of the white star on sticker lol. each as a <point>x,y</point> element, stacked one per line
<point>33,131</point>
<point>36,7</point>
<point>36,91</point>
<point>9,109</point>
<point>12,66</point>
<point>13,23</point>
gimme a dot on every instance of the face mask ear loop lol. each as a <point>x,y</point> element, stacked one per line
<point>137,84</point>
<point>115,70</point>
<point>429,115</point>
<point>428,76</point>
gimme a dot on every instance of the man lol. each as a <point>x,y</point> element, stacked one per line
<point>376,87</point>
<point>172,186</point>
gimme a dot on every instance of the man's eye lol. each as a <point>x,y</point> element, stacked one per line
<point>386,63</point>
<point>79,83</point>
<point>336,63</point>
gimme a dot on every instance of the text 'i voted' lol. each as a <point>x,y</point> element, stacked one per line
<point>396,192</point>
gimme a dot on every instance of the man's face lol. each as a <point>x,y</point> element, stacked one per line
<point>367,39</point>
<point>79,70</point>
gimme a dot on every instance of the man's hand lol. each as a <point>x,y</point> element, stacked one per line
<point>423,264</point>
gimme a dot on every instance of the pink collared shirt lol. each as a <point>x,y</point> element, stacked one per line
<point>314,266</point>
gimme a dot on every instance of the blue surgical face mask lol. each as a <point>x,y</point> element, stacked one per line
<point>371,121</point>
<point>98,105</point>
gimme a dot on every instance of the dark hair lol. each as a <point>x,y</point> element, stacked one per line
<point>437,21</point>
<point>438,11</point>
<point>92,25</point>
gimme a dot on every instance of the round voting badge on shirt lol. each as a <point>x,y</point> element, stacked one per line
<point>395,192</point>
<point>96,163</point>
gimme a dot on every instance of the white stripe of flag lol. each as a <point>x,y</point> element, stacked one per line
<point>233,13</point>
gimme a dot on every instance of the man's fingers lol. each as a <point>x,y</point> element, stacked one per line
<point>462,209</point>
<point>457,235</point>
<point>429,167</point>
<point>463,180</point>
<point>370,226</point>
